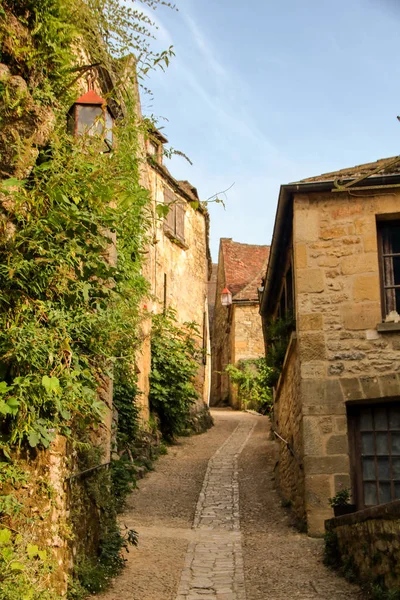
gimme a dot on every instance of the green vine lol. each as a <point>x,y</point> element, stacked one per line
<point>175,355</point>
<point>253,380</point>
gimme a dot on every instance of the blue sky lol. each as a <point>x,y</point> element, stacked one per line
<point>268,92</point>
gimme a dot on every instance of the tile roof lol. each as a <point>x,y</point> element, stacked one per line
<point>244,265</point>
<point>383,164</point>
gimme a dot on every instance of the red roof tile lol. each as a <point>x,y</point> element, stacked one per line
<point>244,265</point>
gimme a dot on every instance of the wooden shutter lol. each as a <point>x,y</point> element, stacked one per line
<point>180,222</point>
<point>169,198</point>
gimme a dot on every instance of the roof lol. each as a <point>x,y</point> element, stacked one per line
<point>90,98</point>
<point>244,266</point>
<point>383,166</point>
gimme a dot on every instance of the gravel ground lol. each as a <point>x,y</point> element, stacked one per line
<point>279,563</point>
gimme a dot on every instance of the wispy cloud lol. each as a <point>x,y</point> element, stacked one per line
<point>204,46</point>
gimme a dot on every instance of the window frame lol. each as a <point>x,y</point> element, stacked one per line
<point>355,450</point>
<point>381,226</point>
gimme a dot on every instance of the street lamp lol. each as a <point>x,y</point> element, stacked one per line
<point>91,115</point>
<point>226,297</point>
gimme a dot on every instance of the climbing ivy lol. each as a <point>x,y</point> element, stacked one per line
<point>174,363</point>
<point>68,311</point>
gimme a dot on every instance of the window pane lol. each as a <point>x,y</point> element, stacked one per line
<point>397,491</point>
<point>368,468</point>
<point>90,120</point>
<point>383,469</point>
<point>394,417</point>
<point>396,468</point>
<point>366,419</point>
<point>394,237</point>
<point>385,494</point>
<point>109,125</point>
<point>380,418</point>
<point>395,435</point>
<point>382,446</point>
<point>367,443</point>
<point>370,497</point>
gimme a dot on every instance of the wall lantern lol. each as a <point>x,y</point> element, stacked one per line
<point>91,115</point>
<point>226,297</point>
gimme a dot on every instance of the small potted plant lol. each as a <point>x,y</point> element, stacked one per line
<point>340,502</point>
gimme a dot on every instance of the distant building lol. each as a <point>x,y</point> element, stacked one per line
<point>237,332</point>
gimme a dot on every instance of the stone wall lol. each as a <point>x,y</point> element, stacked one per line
<point>368,544</point>
<point>287,422</point>
<point>221,350</point>
<point>248,337</point>
<point>342,354</point>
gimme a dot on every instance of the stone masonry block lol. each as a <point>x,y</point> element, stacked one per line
<point>326,465</point>
<point>310,281</point>
<point>311,322</point>
<point>315,369</point>
<point>312,346</point>
<point>306,225</point>
<point>370,242</point>
<point>366,288</point>
<point>364,316</point>
<point>341,481</point>
<point>389,385</point>
<point>341,424</point>
<point>313,437</point>
<point>316,521</point>
<point>370,386</point>
<point>329,233</point>
<point>300,256</point>
<point>318,489</point>
<point>352,389</point>
<point>337,444</point>
<point>360,263</point>
<point>322,397</point>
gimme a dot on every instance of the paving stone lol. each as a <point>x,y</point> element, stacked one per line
<point>214,560</point>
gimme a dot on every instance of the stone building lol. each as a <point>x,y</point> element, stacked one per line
<point>335,263</point>
<point>178,264</point>
<point>237,333</point>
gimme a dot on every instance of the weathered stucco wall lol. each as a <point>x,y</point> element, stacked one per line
<point>368,543</point>
<point>178,272</point>
<point>343,357</point>
<point>287,422</point>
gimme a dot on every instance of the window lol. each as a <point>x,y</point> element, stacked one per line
<point>374,433</point>
<point>174,223</point>
<point>389,250</point>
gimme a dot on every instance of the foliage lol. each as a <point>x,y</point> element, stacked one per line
<point>68,312</point>
<point>341,498</point>
<point>24,568</point>
<point>278,334</point>
<point>252,378</point>
<point>175,355</point>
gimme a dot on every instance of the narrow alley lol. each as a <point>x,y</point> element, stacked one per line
<point>211,525</point>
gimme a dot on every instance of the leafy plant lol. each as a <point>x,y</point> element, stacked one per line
<point>278,334</point>
<point>341,498</point>
<point>175,355</point>
<point>252,378</point>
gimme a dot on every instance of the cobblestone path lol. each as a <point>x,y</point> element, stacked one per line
<point>214,562</point>
<point>197,542</point>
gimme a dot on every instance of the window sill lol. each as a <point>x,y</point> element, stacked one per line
<point>387,327</point>
<point>181,243</point>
